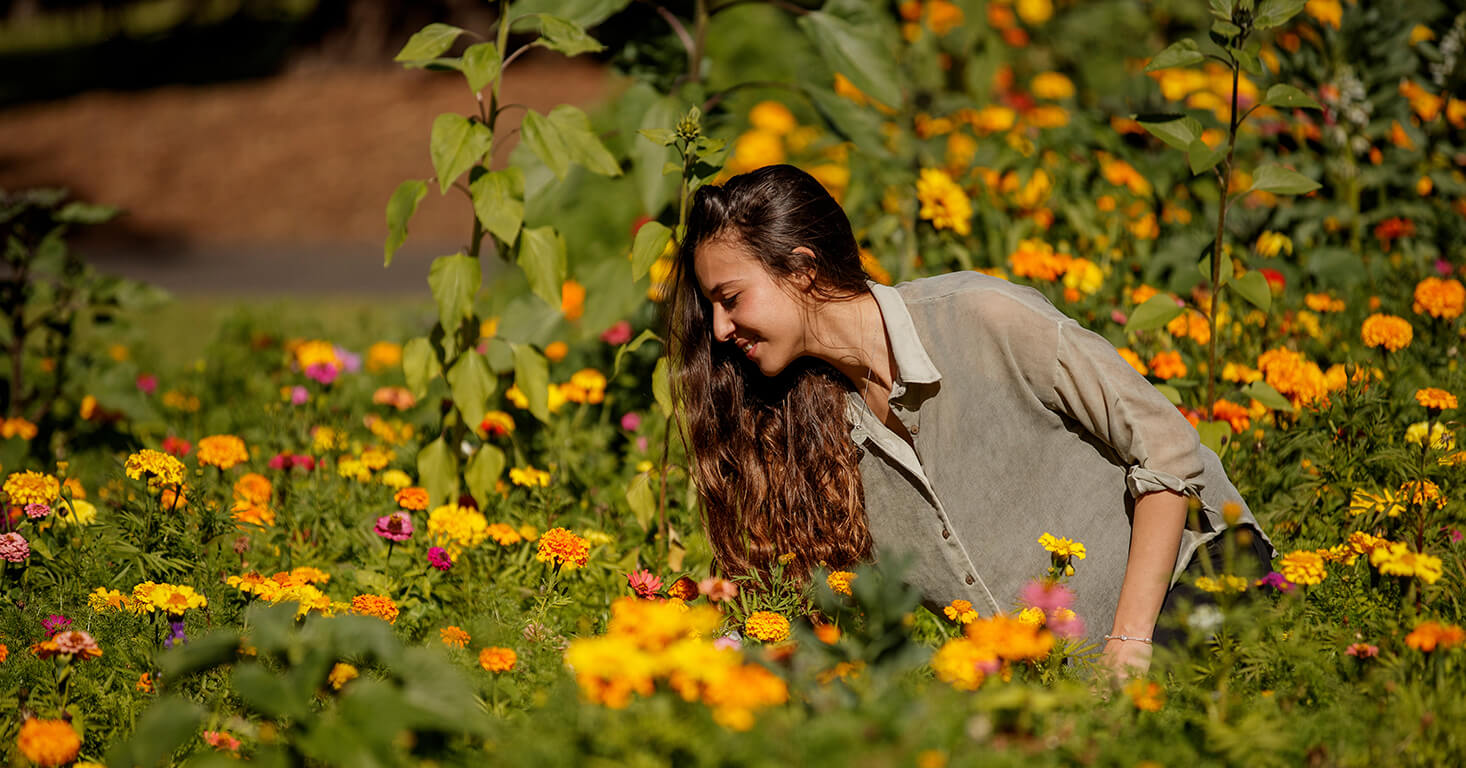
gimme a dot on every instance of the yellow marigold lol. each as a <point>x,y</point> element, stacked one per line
<point>767,626</point>
<point>457,528</point>
<point>1385,502</point>
<point>943,202</point>
<point>963,664</point>
<point>222,451</point>
<point>382,356</point>
<point>454,636</point>
<point>165,468</point>
<point>1036,259</point>
<point>960,611</point>
<point>496,659</point>
<point>379,606</point>
<point>1429,635</point>
<point>48,742</point>
<point>755,149</point>
<point>395,479</point>
<point>1397,559</point>
<point>738,690</point>
<point>562,548</point>
<point>1145,694</point>
<point>341,674</point>
<point>504,534</point>
<point>1033,616</point>
<point>1052,86</point>
<point>353,468</point>
<point>1423,492</point>
<point>1322,302</point>
<point>839,581</point>
<point>1062,547</point>
<point>1035,12</point>
<point>529,477</point>
<point>1303,567</point>
<point>1294,376</point>
<point>250,513</point>
<point>412,498</point>
<point>1084,276</point>
<point>317,352</point>
<point>169,598</point>
<point>1270,244</point>
<point>1444,299</point>
<point>1392,333</point>
<point>943,16</point>
<point>1436,399</point>
<point>1365,543</point>
<point>1222,583</point>
<point>376,459</point>
<point>31,488</point>
<point>102,599</point>
<point>773,117</point>
<point>17,426</point>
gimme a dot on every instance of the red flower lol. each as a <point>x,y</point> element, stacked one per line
<point>1275,279</point>
<point>176,446</point>
<point>1393,229</point>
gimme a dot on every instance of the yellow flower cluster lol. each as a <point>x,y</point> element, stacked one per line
<point>1208,88</point>
<point>1322,302</point>
<point>168,598</point>
<point>650,643</point>
<point>341,674</point>
<point>17,426</point>
<point>1294,376</point>
<point>222,451</point>
<point>1397,559</point>
<point>989,646</point>
<point>454,636</point>
<point>1303,567</point>
<point>1444,299</point>
<point>943,202</point>
<point>839,581</point>
<point>586,385</point>
<point>1392,333</point>
<point>1423,492</point>
<point>1191,324</point>
<point>457,528</point>
<point>529,477</point>
<point>504,534</point>
<point>314,352</point>
<point>563,549</point>
<point>1222,583</point>
<point>48,742</point>
<point>29,487</point>
<point>1441,437</point>
<point>157,464</point>
<point>767,626</point>
<point>295,586</point>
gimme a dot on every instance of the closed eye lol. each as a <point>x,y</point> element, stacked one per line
<point>730,302</point>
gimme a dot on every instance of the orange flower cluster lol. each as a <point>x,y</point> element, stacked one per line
<point>1236,416</point>
<point>1167,365</point>
<point>1294,376</point>
<point>296,586</point>
<point>1429,635</point>
<point>1303,567</point>
<point>1322,302</point>
<point>252,494</point>
<point>839,581</point>
<point>496,659</point>
<point>412,499</point>
<point>1444,299</point>
<point>222,451</point>
<point>1036,259</point>
<point>1191,324</point>
<point>989,646</point>
<point>960,611</point>
<point>48,742</point>
<point>379,606</point>
<point>454,636</point>
<point>1146,695</point>
<point>1392,333</point>
<point>1435,399</point>
<point>563,549</point>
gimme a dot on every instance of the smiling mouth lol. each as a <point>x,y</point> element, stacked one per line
<point>748,347</point>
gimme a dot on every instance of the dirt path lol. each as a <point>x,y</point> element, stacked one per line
<point>273,186</point>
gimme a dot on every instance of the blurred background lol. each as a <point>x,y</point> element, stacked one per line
<point>252,144</point>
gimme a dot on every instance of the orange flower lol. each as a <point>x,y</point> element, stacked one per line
<point>48,742</point>
<point>1234,414</point>
<point>1167,365</point>
<point>767,626</point>
<point>222,451</point>
<point>495,659</point>
<point>412,498</point>
<point>254,488</point>
<point>563,549</point>
<point>453,636</point>
<point>1444,299</point>
<point>1392,333</point>
<point>1429,635</point>
<point>1435,399</point>
<point>145,682</point>
<point>1145,694</point>
<point>379,606</point>
<point>572,300</point>
<point>683,588</point>
<point>1134,360</point>
<point>1036,259</point>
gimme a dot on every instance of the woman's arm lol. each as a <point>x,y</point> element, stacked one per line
<point>1155,538</point>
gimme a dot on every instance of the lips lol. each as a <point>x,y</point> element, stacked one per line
<point>746,347</point>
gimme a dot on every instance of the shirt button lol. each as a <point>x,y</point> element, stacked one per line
<point>970,579</point>
<point>915,428</point>
<point>946,534</point>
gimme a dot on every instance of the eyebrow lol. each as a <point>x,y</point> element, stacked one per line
<point>717,289</point>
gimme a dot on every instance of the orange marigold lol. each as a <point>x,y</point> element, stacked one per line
<point>1392,333</point>
<point>1145,694</point>
<point>454,636</point>
<point>222,451</point>
<point>48,742</point>
<point>379,606</point>
<point>767,626</point>
<point>1167,365</point>
<point>1444,299</point>
<point>562,548</point>
<point>412,499</point>
<point>496,659</point>
<point>1436,399</point>
<point>253,488</point>
<point>1303,567</point>
<point>1235,415</point>
<point>1036,259</point>
<point>1429,635</point>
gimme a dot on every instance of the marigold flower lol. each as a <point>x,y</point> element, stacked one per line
<point>1167,365</point>
<point>382,356</point>
<point>454,636</point>
<point>412,499</point>
<point>48,742</point>
<point>457,528</point>
<point>1303,567</point>
<point>380,606</point>
<point>839,581</point>
<point>144,682</point>
<point>529,477</point>
<point>1037,260</point>
<point>1146,695</point>
<point>1396,559</point>
<point>1322,302</point>
<point>1392,333</point>
<point>943,202</point>
<point>683,588</point>
<point>496,659</point>
<point>960,611</point>
<point>1062,547</point>
<point>1429,635</point>
<point>341,674</point>
<point>1052,86</point>
<point>221,741</point>
<point>1422,492</point>
<point>563,549</point>
<point>1235,415</point>
<point>767,626</point>
<point>1435,399</point>
<point>1134,360</point>
<point>30,487</point>
<point>169,598</point>
<point>1362,650</point>
<point>222,451</point>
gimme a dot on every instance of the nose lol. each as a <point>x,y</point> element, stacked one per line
<point>722,324</point>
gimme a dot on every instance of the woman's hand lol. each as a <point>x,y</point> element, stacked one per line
<point>1126,658</point>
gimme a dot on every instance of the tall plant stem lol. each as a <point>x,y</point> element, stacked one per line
<point>1225,182</point>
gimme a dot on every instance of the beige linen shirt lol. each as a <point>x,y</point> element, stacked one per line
<point>1023,423</point>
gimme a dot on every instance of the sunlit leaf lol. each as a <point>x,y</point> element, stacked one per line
<point>1282,95</point>
<point>542,257</point>
<point>1178,133</point>
<point>1182,53</point>
<point>457,144</point>
<point>472,384</point>
<point>1154,313</point>
<point>400,209</point>
<point>498,201</point>
<point>532,377</point>
<point>1254,288</point>
<point>455,282</point>
<point>651,239</point>
<point>481,62</point>
<point>1281,181</point>
<point>429,42</point>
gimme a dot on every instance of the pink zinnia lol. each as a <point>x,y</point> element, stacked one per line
<point>299,395</point>
<point>620,333</point>
<point>1363,650</point>
<point>325,373</point>
<point>37,511</point>
<point>54,623</point>
<point>717,590</point>
<point>147,383</point>
<point>644,583</point>
<point>631,421</point>
<point>14,548</point>
<point>439,558</point>
<point>1277,581</point>
<point>1047,596</point>
<point>727,642</point>
<point>74,642</point>
<point>395,527</point>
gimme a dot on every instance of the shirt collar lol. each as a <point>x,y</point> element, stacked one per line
<point>912,363</point>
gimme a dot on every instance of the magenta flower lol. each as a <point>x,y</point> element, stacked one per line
<point>1277,581</point>
<point>438,558</point>
<point>351,363</point>
<point>54,623</point>
<point>620,333</point>
<point>1362,650</point>
<point>14,548</point>
<point>324,373</point>
<point>644,583</point>
<point>299,395</point>
<point>1119,317</point>
<point>37,511</point>
<point>394,527</point>
<point>631,421</point>
<point>147,383</point>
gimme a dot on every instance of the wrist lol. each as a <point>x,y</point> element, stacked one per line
<point>1124,638</point>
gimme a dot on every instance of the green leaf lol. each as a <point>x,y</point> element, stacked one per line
<point>663,136</point>
<point>87,213</point>
<point>1226,28</point>
<point>267,694</point>
<point>1249,63</point>
<point>419,365</point>
<point>586,13</point>
<point>565,36</point>
<point>1254,288</point>
<point>542,257</point>
<point>1272,13</point>
<point>1281,181</point>
<point>481,63</point>
<point>1282,95</point>
<point>455,282</point>
<point>858,53</point>
<point>544,140</point>
<point>1214,434</point>
<point>457,145</point>
<point>498,201</point>
<point>632,346</point>
<point>437,470</point>
<point>859,126</point>
<point>1202,158</point>
<point>1221,9</point>
<point>429,42</point>
<point>1263,392</point>
<point>1154,313</point>
<point>1182,53</point>
<point>1178,132</point>
<point>202,653</point>
<point>1171,393</point>
<point>532,376</point>
<point>472,384</point>
<point>642,499</point>
<point>581,142</point>
<point>651,239</point>
<point>400,208</point>
<point>162,729</point>
<point>662,387</point>
<point>650,153</point>
<point>483,472</point>
<point>1204,267</point>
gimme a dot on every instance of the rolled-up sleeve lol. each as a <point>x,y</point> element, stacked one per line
<point>1095,386</point>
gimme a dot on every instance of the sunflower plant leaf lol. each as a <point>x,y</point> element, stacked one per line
<point>1281,181</point>
<point>437,470</point>
<point>857,52</point>
<point>483,472</point>
<point>1154,313</point>
<point>532,377</point>
<point>419,365</point>
<point>1263,392</point>
<point>565,36</point>
<point>1284,95</point>
<point>1273,13</point>
<point>544,140</point>
<point>581,142</point>
<point>1178,132</point>
<point>472,384</point>
<point>455,282</point>
<point>1254,288</point>
<point>1182,53</point>
<point>457,144</point>
<point>498,201</point>
<point>481,63</point>
<point>400,209</point>
<point>650,241</point>
<point>428,43</point>
<point>542,257</point>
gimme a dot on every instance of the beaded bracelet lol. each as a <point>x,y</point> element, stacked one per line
<point>1145,640</point>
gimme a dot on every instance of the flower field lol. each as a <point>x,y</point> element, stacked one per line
<point>473,539</point>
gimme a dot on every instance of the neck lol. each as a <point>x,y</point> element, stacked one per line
<point>851,336</point>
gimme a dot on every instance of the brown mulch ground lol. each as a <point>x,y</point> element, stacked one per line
<point>228,184</point>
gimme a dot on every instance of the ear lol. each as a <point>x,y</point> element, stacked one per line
<point>805,277</point>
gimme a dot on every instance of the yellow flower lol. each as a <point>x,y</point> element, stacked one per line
<point>773,117</point>
<point>457,528</point>
<point>1441,438</point>
<point>1303,567</point>
<point>1444,299</point>
<point>1084,276</point>
<point>1062,547</point>
<point>873,268</point>
<point>31,488</point>
<point>454,637</point>
<point>756,149</point>
<point>529,477</point>
<point>943,203</point>
<point>169,598</point>
<point>48,742</point>
<point>1435,399</point>
<point>1052,86</point>
<point>1328,12</point>
<point>1386,503</point>
<point>1396,559</point>
<point>496,659</point>
<point>1270,244</point>
<point>1392,333</point>
<point>1423,492</point>
<point>1222,583</point>
<point>1035,12</point>
<point>341,674</point>
<point>960,611</point>
<point>165,468</point>
<point>839,581</point>
<point>1322,302</point>
<point>222,451</point>
<point>382,356</point>
<point>1036,259</point>
<point>316,352</point>
<point>1134,360</point>
<point>767,626</point>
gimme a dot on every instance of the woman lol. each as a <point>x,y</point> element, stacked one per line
<point>955,419</point>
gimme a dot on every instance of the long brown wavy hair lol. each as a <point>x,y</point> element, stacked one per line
<point>771,456</point>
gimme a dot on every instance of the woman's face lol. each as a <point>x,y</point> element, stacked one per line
<point>760,315</point>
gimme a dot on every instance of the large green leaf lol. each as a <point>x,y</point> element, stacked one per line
<point>457,144</point>
<point>1182,53</point>
<point>586,13</point>
<point>642,499</point>
<point>399,210</point>
<point>542,137</point>
<point>1282,95</point>
<point>455,282</point>
<point>1263,392</point>
<point>1178,132</point>
<point>483,472</point>
<point>429,43</point>
<point>662,387</point>
<point>532,376</point>
<point>565,36</point>
<point>648,156</point>
<point>1154,313</point>
<point>267,694</point>
<point>481,62</point>
<point>419,365</point>
<point>472,384</point>
<point>1214,434</point>
<point>581,142</point>
<point>498,201</point>
<point>1203,158</point>
<point>1254,288</point>
<point>651,239</point>
<point>542,257</point>
<point>858,53</point>
<point>437,470</point>
<point>1281,181</point>
<point>1273,13</point>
